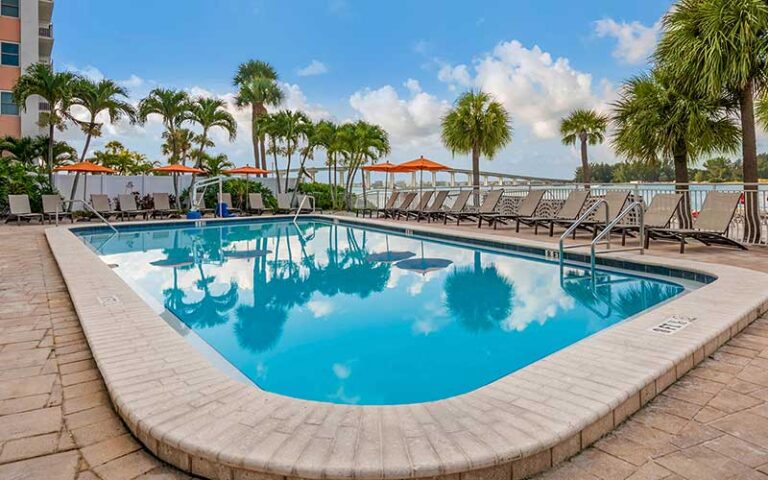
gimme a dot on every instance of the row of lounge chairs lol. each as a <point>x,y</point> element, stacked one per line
<point>53,206</point>
<point>709,227</point>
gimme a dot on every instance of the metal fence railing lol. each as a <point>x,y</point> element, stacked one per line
<point>694,199</point>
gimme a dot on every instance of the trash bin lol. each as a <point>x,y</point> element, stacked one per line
<point>222,210</point>
<point>194,215</point>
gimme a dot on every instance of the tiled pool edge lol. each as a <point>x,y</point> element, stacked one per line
<point>451,429</point>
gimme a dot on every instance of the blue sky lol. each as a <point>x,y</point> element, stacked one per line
<point>398,63</point>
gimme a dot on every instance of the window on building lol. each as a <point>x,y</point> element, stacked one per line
<point>7,105</point>
<point>9,8</point>
<point>9,54</point>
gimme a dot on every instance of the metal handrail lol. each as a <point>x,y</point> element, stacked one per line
<point>583,218</point>
<point>87,207</point>
<point>301,206</point>
<point>606,232</point>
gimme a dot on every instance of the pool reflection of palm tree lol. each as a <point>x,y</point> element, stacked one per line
<point>478,296</point>
<point>211,309</point>
<point>640,295</point>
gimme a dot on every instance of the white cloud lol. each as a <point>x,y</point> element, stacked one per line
<point>536,89</point>
<point>315,67</point>
<point>411,122</point>
<point>341,371</point>
<point>134,81</point>
<point>635,41</point>
<point>89,71</point>
<point>320,308</point>
<point>296,100</point>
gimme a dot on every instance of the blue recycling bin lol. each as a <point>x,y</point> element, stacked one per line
<point>222,210</point>
<point>194,215</point>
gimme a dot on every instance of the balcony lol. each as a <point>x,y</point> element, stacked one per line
<point>46,40</point>
<point>45,10</point>
<point>44,106</point>
<point>45,60</point>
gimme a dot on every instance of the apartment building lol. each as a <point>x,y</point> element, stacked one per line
<point>26,37</point>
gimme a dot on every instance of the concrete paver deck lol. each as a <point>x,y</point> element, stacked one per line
<point>56,420</point>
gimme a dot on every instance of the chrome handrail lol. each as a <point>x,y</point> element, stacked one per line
<point>87,207</point>
<point>583,218</point>
<point>606,232</point>
<point>301,206</point>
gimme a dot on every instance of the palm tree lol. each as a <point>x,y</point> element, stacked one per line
<point>720,46</point>
<point>588,127</point>
<point>360,143</point>
<point>210,113</point>
<point>257,84</point>
<point>56,89</point>
<point>658,121</point>
<point>25,150</point>
<point>307,152</point>
<point>96,97</point>
<point>326,136</point>
<point>294,127</point>
<point>478,125</point>
<point>214,165</point>
<point>270,126</point>
<point>173,107</point>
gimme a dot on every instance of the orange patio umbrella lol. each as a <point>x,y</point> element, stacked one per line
<point>385,167</point>
<point>421,164</point>
<point>84,168</point>
<point>178,169</point>
<point>246,170</point>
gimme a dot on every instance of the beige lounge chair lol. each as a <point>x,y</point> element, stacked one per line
<point>615,200</point>
<point>405,205</point>
<point>100,203</point>
<point>20,209</point>
<point>709,228</point>
<point>227,198</point>
<point>162,205</point>
<point>420,206</point>
<point>457,208</point>
<point>389,205</point>
<point>256,204</point>
<point>284,203</point>
<point>128,207</point>
<point>436,207</point>
<point>526,209</point>
<point>658,215</point>
<point>488,207</point>
<point>53,204</point>
<point>569,211</point>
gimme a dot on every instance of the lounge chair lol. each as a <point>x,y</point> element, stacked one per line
<point>406,201</point>
<point>526,209</point>
<point>420,206</point>
<point>710,227</point>
<point>307,206</point>
<point>458,206</point>
<point>227,198</point>
<point>128,207</point>
<point>389,205</point>
<point>256,204</point>
<point>100,203</point>
<point>53,204</point>
<point>488,207</point>
<point>202,208</point>
<point>162,205</point>
<point>658,215</point>
<point>20,209</point>
<point>284,203</point>
<point>435,208</point>
<point>615,200</point>
<point>569,212</point>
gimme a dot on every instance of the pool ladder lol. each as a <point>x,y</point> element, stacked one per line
<point>87,207</point>
<point>604,236</point>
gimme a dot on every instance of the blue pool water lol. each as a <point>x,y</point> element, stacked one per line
<point>340,314</point>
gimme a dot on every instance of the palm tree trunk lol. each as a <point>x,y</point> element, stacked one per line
<point>287,171</point>
<point>198,163</point>
<point>277,170</point>
<point>586,172</point>
<point>50,155</point>
<point>752,225</point>
<point>330,184</point>
<point>82,159</point>
<point>263,149</point>
<point>255,135</point>
<point>335,181</point>
<point>680,155</point>
<point>476,173</point>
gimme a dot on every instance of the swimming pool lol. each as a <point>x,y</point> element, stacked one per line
<point>335,312</point>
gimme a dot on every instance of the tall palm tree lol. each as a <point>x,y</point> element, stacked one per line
<point>210,113</point>
<point>361,143</point>
<point>97,97</point>
<point>257,87</point>
<point>173,107</point>
<point>56,89</point>
<point>307,152</point>
<point>326,137</point>
<point>657,120</point>
<point>478,125</point>
<point>294,126</point>
<point>717,46</point>
<point>270,126</point>
<point>588,127</point>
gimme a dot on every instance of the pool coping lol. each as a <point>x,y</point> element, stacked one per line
<point>197,418</point>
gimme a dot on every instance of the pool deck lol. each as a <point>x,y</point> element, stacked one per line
<point>56,421</point>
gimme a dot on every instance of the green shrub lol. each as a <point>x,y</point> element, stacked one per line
<point>239,188</point>
<point>17,179</point>
<point>322,194</point>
